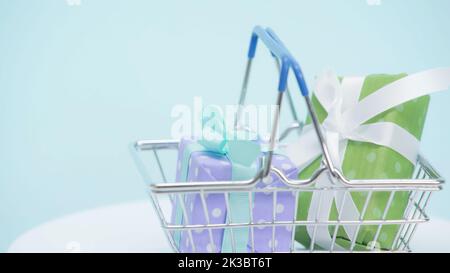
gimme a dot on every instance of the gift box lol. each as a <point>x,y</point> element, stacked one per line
<point>263,207</point>
<point>198,163</point>
<point>358,158</point>
<point>204,167</point>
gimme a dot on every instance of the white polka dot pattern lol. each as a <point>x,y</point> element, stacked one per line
<point>376,212</point>
<point>371,157</point>
<point>280,208</point>
<point>276,243</point>
<point>216,212</point>
<point>260,221</point>
<point>267,192</point>
<point>210,248</point>
<point>267,180</point>
<point>351,174</point>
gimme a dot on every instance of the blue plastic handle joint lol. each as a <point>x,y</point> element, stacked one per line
<point>278,50</point>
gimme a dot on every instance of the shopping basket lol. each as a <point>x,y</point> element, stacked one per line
<point>163,193</point>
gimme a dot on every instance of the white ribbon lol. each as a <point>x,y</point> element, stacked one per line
<point>346,115</point>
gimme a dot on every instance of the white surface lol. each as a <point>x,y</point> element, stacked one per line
<point>129,227</point>
<point>134,227</point>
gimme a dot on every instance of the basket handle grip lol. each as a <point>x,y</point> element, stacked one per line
<point>278,50</point>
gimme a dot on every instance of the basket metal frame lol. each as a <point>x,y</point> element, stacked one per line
<point>426,179</point>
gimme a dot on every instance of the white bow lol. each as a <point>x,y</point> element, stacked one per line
<point>346,115</point>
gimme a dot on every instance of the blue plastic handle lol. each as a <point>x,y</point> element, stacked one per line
<point>278,50</point>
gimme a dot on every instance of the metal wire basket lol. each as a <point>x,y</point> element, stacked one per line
<point>164,194</point>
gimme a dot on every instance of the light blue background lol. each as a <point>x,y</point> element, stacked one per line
<point>78,83</point>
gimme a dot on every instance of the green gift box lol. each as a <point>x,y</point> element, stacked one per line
<point>364,160</point>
